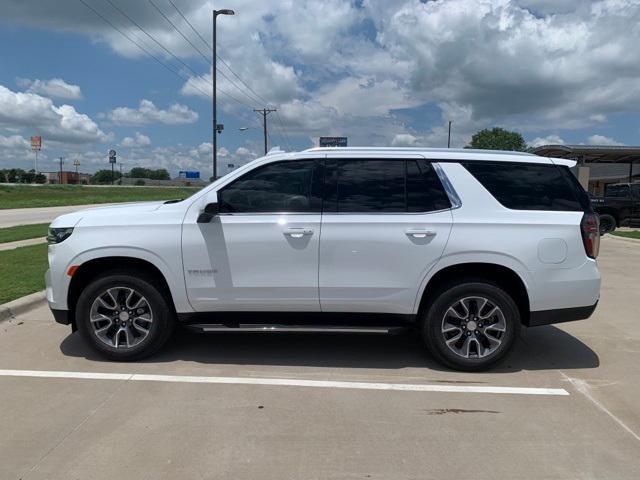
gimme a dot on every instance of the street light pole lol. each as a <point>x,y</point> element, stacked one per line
<point>449,137</point>
<point>213,74</point>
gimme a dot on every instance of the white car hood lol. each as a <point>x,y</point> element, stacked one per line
<point>105,215</point>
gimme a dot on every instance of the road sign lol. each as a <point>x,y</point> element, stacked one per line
<point>112,156</point>
<point>333,141</point>
<point>190,174</point>
<point>36,142</point>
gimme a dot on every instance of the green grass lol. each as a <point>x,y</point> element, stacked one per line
<point>627,234</point>
<point>24,196</point>
<point>22,271</point>
<point>23,232</point>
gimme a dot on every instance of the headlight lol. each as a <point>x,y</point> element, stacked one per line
<point>57,235</point>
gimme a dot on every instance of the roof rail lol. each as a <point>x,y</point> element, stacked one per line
<point>416,150</point>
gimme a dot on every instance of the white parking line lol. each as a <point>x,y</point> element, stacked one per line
<point>137,377</point>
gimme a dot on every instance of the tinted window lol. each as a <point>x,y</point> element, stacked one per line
<point>424,189</point>
<point>278,187</point>
<point>617,191</point>
<point>523,186</point>
<point>371,186</point>
<point>362,186</point>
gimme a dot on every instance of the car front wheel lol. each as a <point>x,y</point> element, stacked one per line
<point>124,317</point>
<point>471,326</point>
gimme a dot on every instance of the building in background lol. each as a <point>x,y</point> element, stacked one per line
<point>67,178</point>
<point>598,165</point>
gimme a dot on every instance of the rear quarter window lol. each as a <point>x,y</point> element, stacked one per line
<point>529,186</point>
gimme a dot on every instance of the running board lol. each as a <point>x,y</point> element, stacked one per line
<point>215,327</point>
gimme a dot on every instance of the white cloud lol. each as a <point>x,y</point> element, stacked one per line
<point>14,141</point>
<point>602,140</point>
<point>139,140</point>
<point>148,113</point>
<point>55,87</point>
<point>548,140</point>
<point>59,123</point>
<point>404,140</point>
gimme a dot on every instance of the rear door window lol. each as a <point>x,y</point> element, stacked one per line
<point>383,186</point>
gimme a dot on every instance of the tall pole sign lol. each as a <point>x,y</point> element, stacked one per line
<point>36,146</point>
<point>112,161</point>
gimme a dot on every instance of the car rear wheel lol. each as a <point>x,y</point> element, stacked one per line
<point>471,326</point>
<point>124,317</point>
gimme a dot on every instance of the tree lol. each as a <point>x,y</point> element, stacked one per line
<point>3,178</point>
<point>104,176</point>
<point>498,139</point>
<point>140,172</point>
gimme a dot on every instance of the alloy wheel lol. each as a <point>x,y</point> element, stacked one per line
<point>473,327</point>
<point>121,317</point>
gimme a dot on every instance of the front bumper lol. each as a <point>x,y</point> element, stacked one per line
<point>559,315</point>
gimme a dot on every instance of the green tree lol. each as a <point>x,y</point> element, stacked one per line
<point>104,176</point>
<point>40,178</point>
<point>3,177</point>
<point>498,139</point>
<point>141,172</point>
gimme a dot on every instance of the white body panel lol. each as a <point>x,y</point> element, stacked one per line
<point>344,262</point>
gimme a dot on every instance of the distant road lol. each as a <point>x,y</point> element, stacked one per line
<point>27,216</point>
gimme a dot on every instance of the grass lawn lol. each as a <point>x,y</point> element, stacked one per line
<point>23,232</point>
<point>628,234</point>
<point>22,196</point>
<point>22,271</point>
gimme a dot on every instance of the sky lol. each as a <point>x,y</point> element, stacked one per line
<point>135,76</point>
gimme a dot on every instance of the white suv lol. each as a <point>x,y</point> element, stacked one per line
<point>464,246</point>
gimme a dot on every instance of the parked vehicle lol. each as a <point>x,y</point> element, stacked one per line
<point>620,206</point>
<point>463,246</point>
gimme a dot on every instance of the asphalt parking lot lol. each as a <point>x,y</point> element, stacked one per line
<point>287,406</point>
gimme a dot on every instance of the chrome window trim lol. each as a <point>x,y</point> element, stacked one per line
<point>448,188</point>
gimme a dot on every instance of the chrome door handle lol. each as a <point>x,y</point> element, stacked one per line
<point>298,232</point>
<point>420,233</point>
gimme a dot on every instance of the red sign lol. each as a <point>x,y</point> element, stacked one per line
<point>36,143</point>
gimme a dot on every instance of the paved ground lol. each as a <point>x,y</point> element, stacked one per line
<point>27,216</point>
<point>95,428</point>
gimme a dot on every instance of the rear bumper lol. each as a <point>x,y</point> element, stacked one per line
<point>559,315</point>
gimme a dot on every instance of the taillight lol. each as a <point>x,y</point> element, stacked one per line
<point>590,228</point>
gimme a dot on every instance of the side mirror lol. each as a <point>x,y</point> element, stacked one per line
<point>210,211</point>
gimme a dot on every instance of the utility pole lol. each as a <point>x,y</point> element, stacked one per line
<point>449,137</point>
<point>76,163</point>
<point>224,11</point>
<point>264,112</point>
<point>60,179</point>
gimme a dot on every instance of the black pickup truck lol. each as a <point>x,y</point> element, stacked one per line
<point>620,206</point>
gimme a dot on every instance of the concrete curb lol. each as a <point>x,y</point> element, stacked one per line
<point>623,239</point>
<point>21,305</point>
<point>22,243</point>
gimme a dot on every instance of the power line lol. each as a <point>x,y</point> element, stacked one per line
<point>233,72</point>
<point>145,50</point>
<point>286,135</point>
<point>151,37</point>
<point>258,96</point>
<point>106,20</point>
<point>200,52</point>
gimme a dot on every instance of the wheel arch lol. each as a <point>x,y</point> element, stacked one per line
<point>100,265</point>
<point>503,276</point>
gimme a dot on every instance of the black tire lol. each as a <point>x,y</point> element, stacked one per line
<point>160,329</point>
<point>607,223</point>
<point>433,321</point>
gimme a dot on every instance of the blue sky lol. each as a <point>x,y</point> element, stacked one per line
<point>379,72</point>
